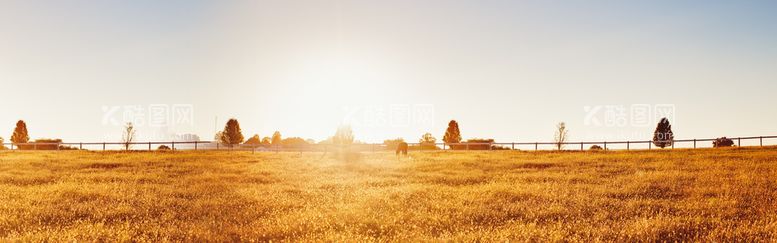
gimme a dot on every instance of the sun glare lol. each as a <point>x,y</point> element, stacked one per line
<point>388,121</point>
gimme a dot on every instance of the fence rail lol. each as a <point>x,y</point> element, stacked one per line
<point>536,146</point>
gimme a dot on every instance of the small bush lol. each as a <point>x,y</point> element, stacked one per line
<point>474,144</point>
<point>596,147</point>
<point>63,147</point>
<point>163,147</point>
<point>722,142</point>
<point>496,147</point>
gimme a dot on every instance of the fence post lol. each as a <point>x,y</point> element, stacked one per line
<point>373,146</point>
<point>217,145</point>
<point>12,147</point>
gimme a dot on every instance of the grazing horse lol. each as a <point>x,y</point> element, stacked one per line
<point>402,148</point>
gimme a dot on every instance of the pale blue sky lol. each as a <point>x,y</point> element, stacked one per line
<point>507,70</point>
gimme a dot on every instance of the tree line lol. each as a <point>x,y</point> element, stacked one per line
<point>232,135</point>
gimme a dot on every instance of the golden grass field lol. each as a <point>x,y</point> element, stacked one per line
<point>706,195</point>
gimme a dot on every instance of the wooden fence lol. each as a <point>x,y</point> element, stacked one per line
<point>374,147</point>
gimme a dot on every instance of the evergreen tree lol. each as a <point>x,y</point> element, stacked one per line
<point>663,136</point>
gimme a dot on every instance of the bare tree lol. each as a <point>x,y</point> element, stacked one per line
<point>561,135</point>
<point>128,136</point>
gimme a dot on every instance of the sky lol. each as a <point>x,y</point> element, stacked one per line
<point>508,70</point>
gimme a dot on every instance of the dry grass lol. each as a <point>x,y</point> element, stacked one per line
<point>707,195</point>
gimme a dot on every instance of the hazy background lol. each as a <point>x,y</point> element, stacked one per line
<point>508,70</point>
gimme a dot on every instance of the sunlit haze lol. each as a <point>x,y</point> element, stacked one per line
<point>508,70</point>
